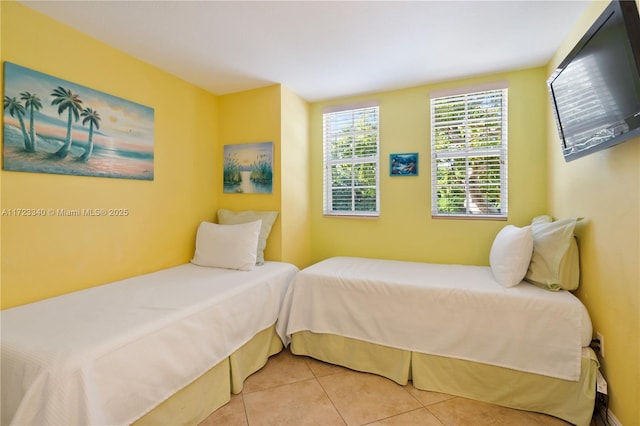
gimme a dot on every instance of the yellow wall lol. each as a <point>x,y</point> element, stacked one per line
<point>296,244</point>
<point>272,114</point>
<point>604,187</point>
<point>47,256</point>
<point>405,229</point>
<point>249,117</point>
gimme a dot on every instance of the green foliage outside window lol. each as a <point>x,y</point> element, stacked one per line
<point>468,132</point>
<point>352,160</point>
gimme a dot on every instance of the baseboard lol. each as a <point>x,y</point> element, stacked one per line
<point>613,420</point>
<point>605,417</point>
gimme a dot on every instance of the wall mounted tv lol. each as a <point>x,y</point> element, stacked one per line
<point>595,91</point>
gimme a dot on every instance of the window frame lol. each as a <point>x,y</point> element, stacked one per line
<point>468,152</point>
<point>329,163</point>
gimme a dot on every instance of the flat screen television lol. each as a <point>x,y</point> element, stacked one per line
<point>595,91</point>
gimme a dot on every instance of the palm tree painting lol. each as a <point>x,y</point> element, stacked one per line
<point>73,129</point>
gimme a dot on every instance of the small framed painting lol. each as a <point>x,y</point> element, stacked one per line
<point>248,168</point>
<point>403,164</point>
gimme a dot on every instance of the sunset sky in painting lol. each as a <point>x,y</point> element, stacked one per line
<point>124,124</point>
<point>247,153</point>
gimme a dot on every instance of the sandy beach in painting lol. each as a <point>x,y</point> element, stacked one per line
<point>43,160</point>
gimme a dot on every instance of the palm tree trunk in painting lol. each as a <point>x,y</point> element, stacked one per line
<point>65,99</point>
<point>32,133</point>
<point>27,142</point>
<point>91,116</point>
<point>16,109</point>
<point>64,151</point>
<point>32,103</point>
<point>89,150</point>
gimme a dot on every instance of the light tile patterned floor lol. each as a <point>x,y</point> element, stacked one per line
<point>295,390</point>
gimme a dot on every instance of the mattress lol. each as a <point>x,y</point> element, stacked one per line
<point>109,354</point>
<point>454,311</point>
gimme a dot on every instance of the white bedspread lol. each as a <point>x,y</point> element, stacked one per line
<point>109,354</point>
<point>449,310</point>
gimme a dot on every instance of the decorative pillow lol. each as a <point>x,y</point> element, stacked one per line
<point>228,217</point>
<point>510,254</point>
<point>227,246</point>
<point>554,263</point>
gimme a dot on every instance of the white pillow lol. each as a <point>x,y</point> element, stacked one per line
<point>227,246</point>
<point>510,254</point>
<point>228,217</point>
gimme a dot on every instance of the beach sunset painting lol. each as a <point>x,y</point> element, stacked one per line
<point>248,168</point>
<point>51,125</point>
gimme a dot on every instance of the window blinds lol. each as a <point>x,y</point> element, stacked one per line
<point>351,162</point>
<point>469,154</point>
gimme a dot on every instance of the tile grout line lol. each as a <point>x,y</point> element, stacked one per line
<point>244,406</point>
<point>410,383</point>
<point>404,387</point>
<point>328,397</point>
<point>395,415</point>
<point>279,386</point>
<point>424,405</point>
<point>317,378</point>
<point>435,416</point>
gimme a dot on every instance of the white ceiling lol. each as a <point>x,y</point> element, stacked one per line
<point>325,49</point>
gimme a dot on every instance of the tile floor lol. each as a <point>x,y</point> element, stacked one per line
<point>296,390</point>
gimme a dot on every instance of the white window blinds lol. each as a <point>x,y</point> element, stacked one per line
<point>469,154</point>
<point>351,162</point>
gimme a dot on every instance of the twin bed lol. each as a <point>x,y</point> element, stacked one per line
<point>448,328</point>
<point>171,346</point>
<point>115,354</point>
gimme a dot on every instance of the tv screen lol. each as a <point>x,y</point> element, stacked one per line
<point>595,91</point>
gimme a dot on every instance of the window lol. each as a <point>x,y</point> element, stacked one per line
<point>469,154</point>
<point>351,162</point>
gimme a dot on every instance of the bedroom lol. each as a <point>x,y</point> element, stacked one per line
<point>73,253</point>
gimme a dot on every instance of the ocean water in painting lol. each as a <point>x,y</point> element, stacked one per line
<point>55,126</point>
<point>248,168</point>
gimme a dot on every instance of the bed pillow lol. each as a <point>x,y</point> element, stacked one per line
<point>510,254</point>
<point>228,217</point>
<point>227,246</point>
<point>554,263</point>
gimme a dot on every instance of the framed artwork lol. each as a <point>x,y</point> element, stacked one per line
<point>248,168</point>
<point>403,164</point>
<point>51,125</point>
